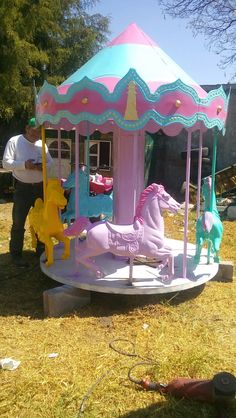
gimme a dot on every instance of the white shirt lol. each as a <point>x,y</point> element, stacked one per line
<point>17,151</point>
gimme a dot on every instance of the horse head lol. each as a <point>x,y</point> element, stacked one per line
<point>70,181</point>
<point>58,199</point>
<point>207,195</point>
<point>206,187</point>
<point>155,195</point>
<point>55,193</point>
<point>165,200</point>
<point>83,181</point>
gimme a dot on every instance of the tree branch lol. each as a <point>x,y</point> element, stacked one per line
<point>215,19</point>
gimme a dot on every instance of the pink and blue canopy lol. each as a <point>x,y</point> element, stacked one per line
<point>134,85</point>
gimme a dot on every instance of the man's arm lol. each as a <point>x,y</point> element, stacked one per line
<point>9,161</point>
<point>49,160</point>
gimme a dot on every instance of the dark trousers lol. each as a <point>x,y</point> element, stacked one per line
<point>24,197</point>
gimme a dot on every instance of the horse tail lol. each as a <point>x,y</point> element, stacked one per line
<point>207,221</point>
<point>80,224</point>
<point>35,214</point>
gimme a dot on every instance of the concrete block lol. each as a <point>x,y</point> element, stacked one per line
<point>231,212</point>
<point>63,300</point>
<point>225,272</point>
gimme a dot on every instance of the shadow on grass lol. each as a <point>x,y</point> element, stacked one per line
<point>113,302</point>
<point>172,408</point>
<point>22,293</point>
<point>21,289</point>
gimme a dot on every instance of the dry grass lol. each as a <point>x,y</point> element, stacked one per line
<point>192,335</point>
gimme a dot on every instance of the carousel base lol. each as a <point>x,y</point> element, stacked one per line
<point>146,279</point>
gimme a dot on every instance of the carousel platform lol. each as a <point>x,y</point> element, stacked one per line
<point>146,278</point>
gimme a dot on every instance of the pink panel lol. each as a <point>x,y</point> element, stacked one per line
<point>63,89</point>
<point>211,110</point>
<point>133,35</point>
<point>94,103</point>
<point>109,82</point>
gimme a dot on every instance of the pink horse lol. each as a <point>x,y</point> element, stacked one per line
<point>144,237</point>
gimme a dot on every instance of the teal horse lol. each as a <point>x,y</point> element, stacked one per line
<point>209,226</point>
<point>89,206</point>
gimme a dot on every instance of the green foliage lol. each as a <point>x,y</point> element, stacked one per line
<point>43,39</point>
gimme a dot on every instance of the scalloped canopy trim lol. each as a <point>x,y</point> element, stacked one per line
<point>132,75</point>
<point>52,106</point>
<point>128,125</point>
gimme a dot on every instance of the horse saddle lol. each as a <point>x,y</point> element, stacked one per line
<point>125,232</point>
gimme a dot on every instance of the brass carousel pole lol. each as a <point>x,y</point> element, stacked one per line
<point>44,168</point>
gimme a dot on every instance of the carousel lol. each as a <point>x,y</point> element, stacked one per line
<point>128,88</point>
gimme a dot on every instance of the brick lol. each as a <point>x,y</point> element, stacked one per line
<point>225,272</point>
<point>63,300</point>
<point>231,212</point>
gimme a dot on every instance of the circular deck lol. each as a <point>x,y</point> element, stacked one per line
<point>146,279</point>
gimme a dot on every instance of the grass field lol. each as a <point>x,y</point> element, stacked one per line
<point>191,334</point>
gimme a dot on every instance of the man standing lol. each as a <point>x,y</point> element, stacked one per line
<point>23,156</point>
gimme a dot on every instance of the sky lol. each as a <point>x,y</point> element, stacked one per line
<point>190,53</point>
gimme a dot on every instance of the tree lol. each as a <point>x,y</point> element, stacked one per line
<point>43,39</point>
<point>215,19</point>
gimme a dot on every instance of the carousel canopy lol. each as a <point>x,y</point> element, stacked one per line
<point>134,85</point>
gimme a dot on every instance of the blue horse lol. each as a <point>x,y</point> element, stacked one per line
<point>89,206</point>
<point>209,226</point>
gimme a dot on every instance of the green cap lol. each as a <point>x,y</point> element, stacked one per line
<point>32,123</point>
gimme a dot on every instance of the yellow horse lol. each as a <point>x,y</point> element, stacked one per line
<point>45,222</point>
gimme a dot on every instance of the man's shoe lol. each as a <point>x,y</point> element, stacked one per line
<point>19,262</point>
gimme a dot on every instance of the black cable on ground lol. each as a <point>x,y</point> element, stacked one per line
<point>124,353</point>
<point>141,363</point>
<point>89,392</point>
<point>130,354</point>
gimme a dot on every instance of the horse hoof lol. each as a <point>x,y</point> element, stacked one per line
<point>65,256</point>
<point>100,274</point>
<point>160,266</point>
<point>166,279</point>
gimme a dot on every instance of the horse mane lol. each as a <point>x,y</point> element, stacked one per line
<point>152,188</point>
<point>207,183</point>
<point>207,187</point>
